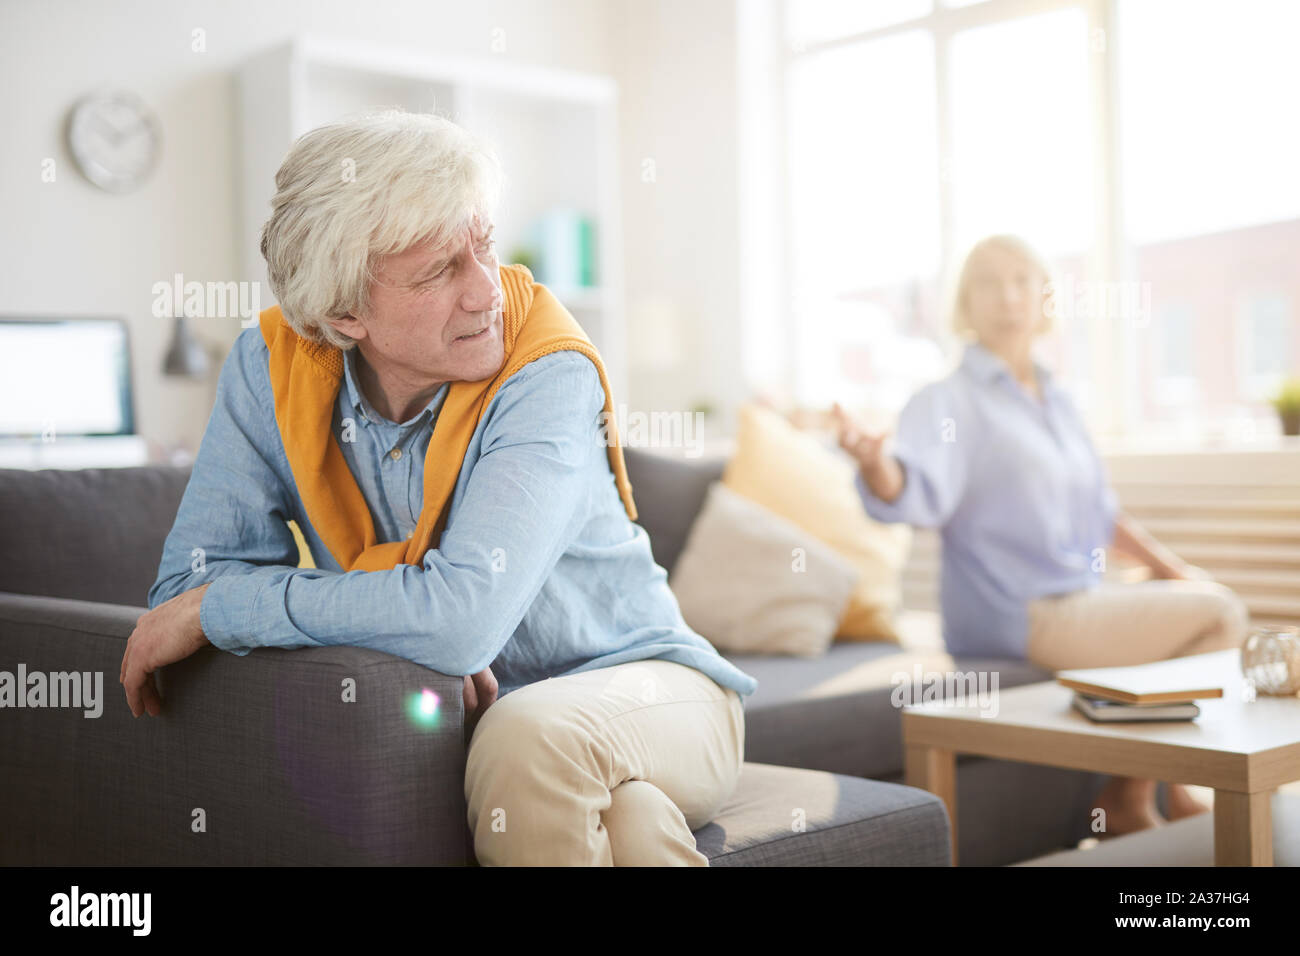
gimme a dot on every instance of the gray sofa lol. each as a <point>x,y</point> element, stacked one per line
<point>834,713</point>
<point>256,760</point>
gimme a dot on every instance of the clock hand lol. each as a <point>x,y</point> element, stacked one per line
<point>109,131</point>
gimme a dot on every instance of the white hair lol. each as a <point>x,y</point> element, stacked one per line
<point>371,185</point>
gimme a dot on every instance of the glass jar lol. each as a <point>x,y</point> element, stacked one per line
<point>1270,660</point>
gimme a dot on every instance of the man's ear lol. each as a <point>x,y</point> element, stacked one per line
<point>349,325</point>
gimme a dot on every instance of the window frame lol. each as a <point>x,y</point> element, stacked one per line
<point>1111,344</point>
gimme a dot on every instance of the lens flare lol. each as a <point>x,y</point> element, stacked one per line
<point>424,708</point>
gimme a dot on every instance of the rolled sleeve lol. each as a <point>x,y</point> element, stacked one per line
<point>931,446</point>
<point>224,612</point>
<point>1107,504</point>
<point>232,519</point>
<point>1109,513</point>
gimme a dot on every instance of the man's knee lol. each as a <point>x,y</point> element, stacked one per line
<point>529,798</point>
<point>519,729</point>
<point>645,828</point>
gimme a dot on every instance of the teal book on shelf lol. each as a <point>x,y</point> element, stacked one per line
<point>565,244</point>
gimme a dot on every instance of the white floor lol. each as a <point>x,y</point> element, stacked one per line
<point>1188,842</point>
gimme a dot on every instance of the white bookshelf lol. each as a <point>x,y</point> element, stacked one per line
<point>554,130</point>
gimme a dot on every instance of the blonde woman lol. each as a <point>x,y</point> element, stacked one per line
<point>996,456</point>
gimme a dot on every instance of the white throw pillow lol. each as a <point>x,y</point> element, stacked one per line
<point>752,582</point>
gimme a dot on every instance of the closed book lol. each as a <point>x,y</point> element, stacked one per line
<point>1109,711</point>
<point>1176,680</point>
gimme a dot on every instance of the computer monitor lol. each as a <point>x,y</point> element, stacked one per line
<point>65,377</point>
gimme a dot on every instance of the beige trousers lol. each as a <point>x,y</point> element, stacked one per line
<point>1113,625</point>
<point>610,767</point>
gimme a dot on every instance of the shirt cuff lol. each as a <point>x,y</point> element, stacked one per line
<point>226,610</point>
<point>1109,516</point>
<point>883,511</point>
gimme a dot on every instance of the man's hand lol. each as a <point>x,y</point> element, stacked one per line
<point>169,633</point>
<point>480,693</point>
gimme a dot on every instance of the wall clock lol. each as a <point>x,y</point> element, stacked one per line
<point>114,139</point>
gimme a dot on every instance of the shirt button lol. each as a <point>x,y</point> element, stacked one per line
<point>396,453</point>
<point>410,534</point>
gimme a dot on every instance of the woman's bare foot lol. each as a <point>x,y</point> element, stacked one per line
<point>1128,805</point>
<point>1182,803</point>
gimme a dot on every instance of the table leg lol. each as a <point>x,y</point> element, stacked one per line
<point>935,770</point>
<point>1243,828</point>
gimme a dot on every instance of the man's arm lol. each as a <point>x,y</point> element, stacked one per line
<point>457,610</point>
<point>232,517</point>
<point>231,521</point>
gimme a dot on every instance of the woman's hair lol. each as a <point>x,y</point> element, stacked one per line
<point>370,185</point>
<point>1011,243</point>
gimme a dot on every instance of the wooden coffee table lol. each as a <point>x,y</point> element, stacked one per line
<point>1243,749</point>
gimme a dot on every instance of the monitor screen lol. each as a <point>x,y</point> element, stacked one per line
<point>64,377</point>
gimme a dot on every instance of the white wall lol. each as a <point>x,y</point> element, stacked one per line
<point>677,72</point>
<point>68,248</point>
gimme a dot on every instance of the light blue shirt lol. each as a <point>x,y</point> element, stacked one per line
<point>1015,486</point>
<point>539,573</point>
<point>393,485</point>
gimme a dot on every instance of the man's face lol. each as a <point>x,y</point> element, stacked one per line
<point>435,313</point>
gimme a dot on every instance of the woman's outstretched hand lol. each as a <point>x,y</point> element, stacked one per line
<point>880,471</point>
<point>867,447</point>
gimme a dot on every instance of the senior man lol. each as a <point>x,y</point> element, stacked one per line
<point>441,430</point>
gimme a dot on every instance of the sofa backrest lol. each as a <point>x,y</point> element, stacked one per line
<point>669,492</point>
<point>95,534</point>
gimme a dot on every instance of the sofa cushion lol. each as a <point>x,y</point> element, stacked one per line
<point>838,712</point>
<point>95,534</point>
<point>780,816</point>
<point>751,582</point>
<point>669,492</point>
<point>794,474</point>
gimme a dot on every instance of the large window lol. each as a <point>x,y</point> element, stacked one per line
<point>1147,147</point>
<point>864,213</point>
<point>1021,157</point>
<point>1208,155</point>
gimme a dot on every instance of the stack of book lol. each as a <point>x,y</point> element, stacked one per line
<point>1141,693</point>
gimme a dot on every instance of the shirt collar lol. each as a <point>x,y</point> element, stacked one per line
<point>988,367</point>
<point>358,401</point>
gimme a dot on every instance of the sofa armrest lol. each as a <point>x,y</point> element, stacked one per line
<point>313,756</point>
